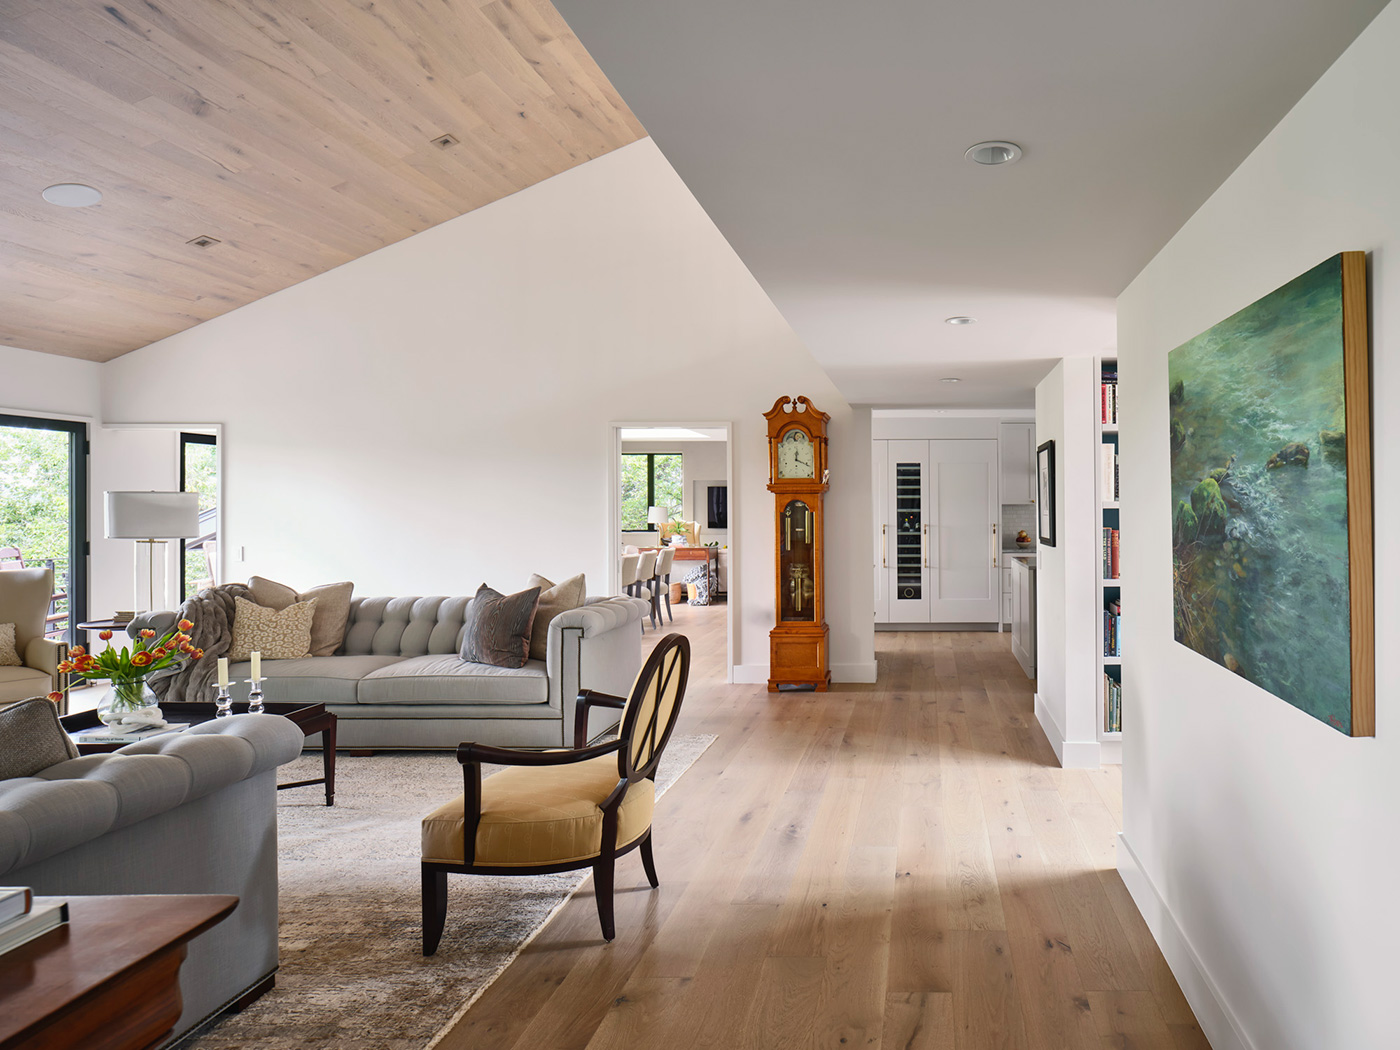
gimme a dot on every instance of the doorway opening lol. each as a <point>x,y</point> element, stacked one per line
<point>199,472</point>
<point>43,510</point>
<point>672,499</point>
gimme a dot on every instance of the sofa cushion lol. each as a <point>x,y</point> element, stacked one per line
<point>20,683</point>
<point>554,599</point>
<point>452,680</point>
<point>497,627</point>
<point>31,738</point>
<point>315,679</point>
<point>332,609</point>
<point>283,634</point>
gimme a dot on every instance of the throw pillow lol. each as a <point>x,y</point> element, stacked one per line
<point>554,599</point>
<point>31,738</point>
<point>283,634</point>
<point>496,628</point>
<point>9,655</point>
<point>332,609</point>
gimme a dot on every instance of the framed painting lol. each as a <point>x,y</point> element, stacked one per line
<point>1045,491</point>
<point>1271,494</point>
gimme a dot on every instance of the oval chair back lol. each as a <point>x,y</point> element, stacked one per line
<point>652,709</point>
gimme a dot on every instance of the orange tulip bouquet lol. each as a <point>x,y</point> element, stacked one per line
<point>130,701</point>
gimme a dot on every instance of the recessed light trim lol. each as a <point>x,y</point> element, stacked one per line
<point>959,320</point>
<point>203,241</point>
<point>72,195</point>
<point>445,141</point>
<point>994,152</point>
<point>950,379</point>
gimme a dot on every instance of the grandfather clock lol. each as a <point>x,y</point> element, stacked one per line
<point>797,476</point>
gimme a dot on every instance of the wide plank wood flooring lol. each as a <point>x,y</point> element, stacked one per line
<point>900,865</point>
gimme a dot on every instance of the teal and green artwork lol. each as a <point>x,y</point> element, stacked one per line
<point>1271,495</point>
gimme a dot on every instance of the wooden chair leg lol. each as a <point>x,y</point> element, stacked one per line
<point>603,894</point>
<point>434,907</point>
<point>648,862</point>
<point>667,585</point>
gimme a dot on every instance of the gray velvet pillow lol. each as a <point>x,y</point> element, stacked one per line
<point>496,627</point>
<point>31,738</point>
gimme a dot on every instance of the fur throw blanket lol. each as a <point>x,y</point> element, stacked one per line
<point>211,612</point>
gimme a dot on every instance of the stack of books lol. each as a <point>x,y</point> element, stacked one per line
<point>1110,554</point>
<point>21,920</point>
<point>1112,617</point>
<point>1112,705</point>
<point>125,734</point>
<point>1108,474</point>
<point>1108,396</point>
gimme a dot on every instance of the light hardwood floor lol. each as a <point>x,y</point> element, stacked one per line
<point>900,865</point>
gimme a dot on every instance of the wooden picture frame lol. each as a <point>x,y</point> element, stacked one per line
<point>1045,491</point>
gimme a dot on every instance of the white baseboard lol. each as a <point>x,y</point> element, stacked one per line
<point>1214,1015</point>
<point>859,672</point>
<point>750,674</point>
<point>1072,754</point>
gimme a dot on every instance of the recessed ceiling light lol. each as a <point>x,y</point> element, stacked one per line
<point>72,195</point>
<point>203,241</point>
<point>994,153</point>
<point>960,320</point>
<point>445,141</point>
<point>950,379</point>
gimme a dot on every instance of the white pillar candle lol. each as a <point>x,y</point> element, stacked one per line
<point>256,658</point>
<point>223,672</point>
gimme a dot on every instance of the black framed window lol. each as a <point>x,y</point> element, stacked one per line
<point>44,509</point>
<point>199,472</point>
<point>650,479</point>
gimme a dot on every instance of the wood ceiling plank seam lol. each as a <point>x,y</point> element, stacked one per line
<point>474,186</point>
<point>503,119</point>
<point>25,35</point>
<point>617,120</point>
<point>569,51</point>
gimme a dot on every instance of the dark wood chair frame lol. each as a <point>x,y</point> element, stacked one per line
<point>655,737</point>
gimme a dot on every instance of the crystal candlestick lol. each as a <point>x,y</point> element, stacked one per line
<point>223,703</point>
<point>255,697</point>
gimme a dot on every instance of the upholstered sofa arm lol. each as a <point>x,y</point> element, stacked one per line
<point>45,654</point>
<point>596,646</point>
<point>72,802</point>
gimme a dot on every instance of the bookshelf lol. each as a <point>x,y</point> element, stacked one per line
<point>1109,589</point>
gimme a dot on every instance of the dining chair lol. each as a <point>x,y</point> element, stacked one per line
<point>646,573</point>
<point>663,581</point>
<point>551,811</point>
<point>627,578</point>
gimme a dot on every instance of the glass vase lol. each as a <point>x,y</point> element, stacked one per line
<point>130,701</point>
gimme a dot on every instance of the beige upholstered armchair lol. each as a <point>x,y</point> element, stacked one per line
<point>24,601</point>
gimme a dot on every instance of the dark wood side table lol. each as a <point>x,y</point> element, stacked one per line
<point>109,979</point>
<point>311,718</point>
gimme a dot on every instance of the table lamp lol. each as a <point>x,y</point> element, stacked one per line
<point>151,518</point>
<point>660,517</point>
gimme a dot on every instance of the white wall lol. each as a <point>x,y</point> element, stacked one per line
<point>1067,629</point>
<point>415,420</point>
<point>700,461</point>
<point>1262,845</point>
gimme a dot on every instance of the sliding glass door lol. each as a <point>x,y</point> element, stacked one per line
<point>43,510</point>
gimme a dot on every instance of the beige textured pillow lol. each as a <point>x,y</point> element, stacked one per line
<point>31,738</point>
<point>554,599</point>
<point>279,634</point>
<point>9,656</point>
<point>332,609</point>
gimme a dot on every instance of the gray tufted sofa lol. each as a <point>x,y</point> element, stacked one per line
<point>397,680</point>
<point>193,812</point>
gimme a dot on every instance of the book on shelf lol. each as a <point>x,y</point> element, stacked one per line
<point>15,901</point>
<point>125,734</point>
<point>1112,621</point>
<point>1108,399</point>
<point>36,922</point>
<point>1109,554</point>
<point>1108,472</point>
<point>1112,704</point>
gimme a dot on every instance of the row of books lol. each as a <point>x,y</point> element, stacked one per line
<point>1112,705</point>
<point>1108,474</point>
<point>21,920</point>
<point>1112,620</point>
<point>1110,554</point>
<point>1108,398</point>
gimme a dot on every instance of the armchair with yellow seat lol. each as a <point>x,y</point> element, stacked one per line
<point>552,811</point>
<point>25,595</point>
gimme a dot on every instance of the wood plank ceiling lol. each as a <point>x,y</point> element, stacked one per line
<point>299,134</point>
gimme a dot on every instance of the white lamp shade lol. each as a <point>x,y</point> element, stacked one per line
<point>658,516</point>
<point>152,515</point>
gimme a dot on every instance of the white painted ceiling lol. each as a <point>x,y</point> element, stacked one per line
<point>826,141</point>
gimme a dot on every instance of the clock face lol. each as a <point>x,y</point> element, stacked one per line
<point>796,457</point>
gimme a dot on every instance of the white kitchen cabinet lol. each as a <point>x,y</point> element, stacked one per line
<point>1023,615</point>
<point>1016,458</point>
<point>1007,583</point>
<point>936,530</point>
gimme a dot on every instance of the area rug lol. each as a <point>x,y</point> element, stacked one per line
<point>352,974</point>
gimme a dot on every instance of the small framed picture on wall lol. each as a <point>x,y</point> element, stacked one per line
<point>1045,491</point>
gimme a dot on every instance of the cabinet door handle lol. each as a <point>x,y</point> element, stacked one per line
<point>994,545</point>
<point>925,545</point>
<point>884,560</point>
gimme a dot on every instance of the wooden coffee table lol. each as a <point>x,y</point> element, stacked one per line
<point>109,979</point>
<point>312,718</point>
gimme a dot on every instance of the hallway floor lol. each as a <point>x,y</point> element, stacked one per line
<point>900,865</point>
